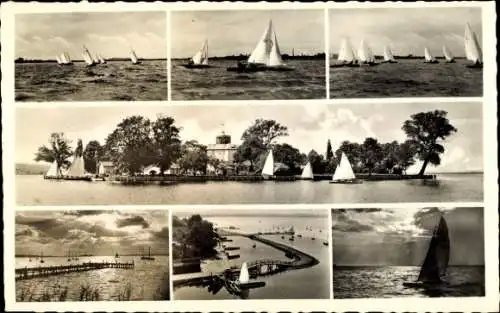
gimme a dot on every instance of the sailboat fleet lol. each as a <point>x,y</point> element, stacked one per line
<point>91,60</point>
<point>364,55</point>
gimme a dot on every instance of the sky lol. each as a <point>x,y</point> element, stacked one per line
<point>251,213</point>
<point>112,34</point>
<point>234,32</point>
<point>401,236</point>
<point>95,232</point>
<point>405,30</point>
<point>310,126</point>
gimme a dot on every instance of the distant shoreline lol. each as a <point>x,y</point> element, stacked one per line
<point>22,60</point>
<point>80,256</point>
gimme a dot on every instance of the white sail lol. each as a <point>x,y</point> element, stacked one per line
<point>87,57</point>
<point>365,54</point>
<point>101,59</point>
<point>133,57</point>
<point>67,59</point>
<point>447,54</point>
<point>263,49</point>
<point>244,275</point>
<point>58,59</point>
<point>428,56</point>
<point>346,52</point>
<point>268,168</point>
<point>77,168</point>
<point>275,55</point>
<point>472,49</point>
<point>388,54</point>
<point>307,171</point>
<point>52,172</point>
<point>344,170</point>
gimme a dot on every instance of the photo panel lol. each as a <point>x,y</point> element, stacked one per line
<point>92,255</point>
<point>235,55</point>
<point>429,252</point>
<point>91,56</point>
<point>225,253</point>
<point>406,52</point>
<point>258,154</point>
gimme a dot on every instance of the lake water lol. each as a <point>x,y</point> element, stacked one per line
<point>149,280</point>
<point>34,190</point>
<point>307,283</point>
<point>116,80</point>
<point>387,282</point>
<point>407,78</point>
<point>307,81</point>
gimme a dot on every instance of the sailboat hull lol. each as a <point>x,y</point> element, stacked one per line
<point>347,181</point>
<point>368,64</point>
<point>475,65</point>
<point>390,61</point>
<point>194,66</point>
<point>431,62</point>
<point>345,64</point>
<point>252,68</point>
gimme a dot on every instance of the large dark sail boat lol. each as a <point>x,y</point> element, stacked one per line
<point>433,269</point>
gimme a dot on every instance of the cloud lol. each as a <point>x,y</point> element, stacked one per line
<point>85,212</point>
<point>132,221</point>
<point>161,235</point>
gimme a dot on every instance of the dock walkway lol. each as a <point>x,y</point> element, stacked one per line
<point>40,271</point>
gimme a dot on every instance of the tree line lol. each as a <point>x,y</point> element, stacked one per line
<point>137,142</point>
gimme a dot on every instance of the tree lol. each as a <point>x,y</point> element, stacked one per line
<point>329,151</point>
<point>371,154</point>
<point>92,154</point>
<point>318,164</point>
<point>288,155</point>
<point>201,236</point>
<point>265,131</point>
<point>130,145</point>
<point>405,155</point>
<point>167,142</point>
<point>58,151</point>
<point>250,150</point>
<point>425,130</point>
<point>194,157</point>
<point>389,157</point>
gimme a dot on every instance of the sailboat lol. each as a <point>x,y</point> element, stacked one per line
<point>133,57</point>
<point>266,56</point>
<point>365,54</point>
<point>117,256</point>
<point>433,270</point>
<point>388,57</point>
<point>64,59</point>
<point>101,59</point>
<point>307,172</point>
<point>76,170</point>
<point>54,172</point>
<point>473,51</point>
<point>242,285</point>
<point>447,55</point>
<point>41,257</point>
<point>200,59</point>
<point>346,56</point>
<point>87,57</point>
<point>344,173</point>
<point>268,169</point>
<point>69,257</point>
<point>428,56</point>
<point>147,257</point>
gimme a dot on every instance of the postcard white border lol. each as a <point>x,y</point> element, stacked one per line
<point>487,303</point>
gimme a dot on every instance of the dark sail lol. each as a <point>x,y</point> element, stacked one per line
<point>435,263</point>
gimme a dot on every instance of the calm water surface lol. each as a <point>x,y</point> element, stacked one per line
<point>115,80</point>
<point>314,281</point>
<point>387,282</point>
<point>407,78</point>
<point>34,190</point>
<point>148,280</point>
<point>307,81</point>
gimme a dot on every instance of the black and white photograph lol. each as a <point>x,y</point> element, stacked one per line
<point>90,56</point>
<point>250,254</point>
<point>248,55</point>
<point>406,52</point>
<point>258,154</point>
<point>408,252</point>
<point>92,255</point>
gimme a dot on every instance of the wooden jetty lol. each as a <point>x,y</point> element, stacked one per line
<point>41,271</point>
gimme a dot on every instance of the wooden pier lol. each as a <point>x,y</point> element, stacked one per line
<point>41,271</point>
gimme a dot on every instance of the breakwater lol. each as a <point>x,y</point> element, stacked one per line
<point>40,271</point>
